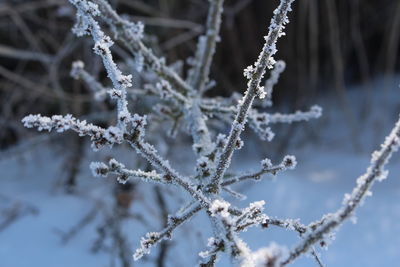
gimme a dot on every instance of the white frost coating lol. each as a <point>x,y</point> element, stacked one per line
<point>266,163</point>
<point>259,124</point>
<point>269,256</point>
<point>260,92</point>
<point>114,134</point>
<point>63,123</point>
<point>219,207</point>
<point>213,244</point>
<point>251,216</point>
<point>145,244</point>
<point>289,162</point>
<point>245,256</point>
<point>248,72</point>
<point>99,169</point>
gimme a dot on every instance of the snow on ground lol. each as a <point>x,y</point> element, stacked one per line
<point>327,169</point>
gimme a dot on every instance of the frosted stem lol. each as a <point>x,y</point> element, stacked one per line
<point>255,76</point>
<point>206,45</point>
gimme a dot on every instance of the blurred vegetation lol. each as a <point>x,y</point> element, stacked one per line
<point>330,45</point>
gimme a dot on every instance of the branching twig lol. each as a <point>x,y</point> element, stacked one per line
<point>255,74</point>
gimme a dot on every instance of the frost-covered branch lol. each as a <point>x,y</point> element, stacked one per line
<point>99,136</point>
<point>314,113</point>
<point>169,174</point>
<point>206,46</point>
<point>279,67</point>
<point>127,32</point>
<point>259,122</point>
<point>113,135</point>
<point>288,162</point>
<point>86,24</point>
<point>198,77</point>
<point>123,173</point>
<point>153,238</point>
<point>254,74</point>
<point>375,172</point>
<point>202,143</point>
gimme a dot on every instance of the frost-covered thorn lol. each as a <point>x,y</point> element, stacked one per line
<point>238,144</point>
<point>289,224</point>
<point>219,208</point>
<point>289,162</point>
<point>266,163</point>
<point>214,245</point>
<point>99,169</point>
<point>203,167</point>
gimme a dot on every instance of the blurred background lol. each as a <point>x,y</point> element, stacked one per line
<point>340,54</point>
